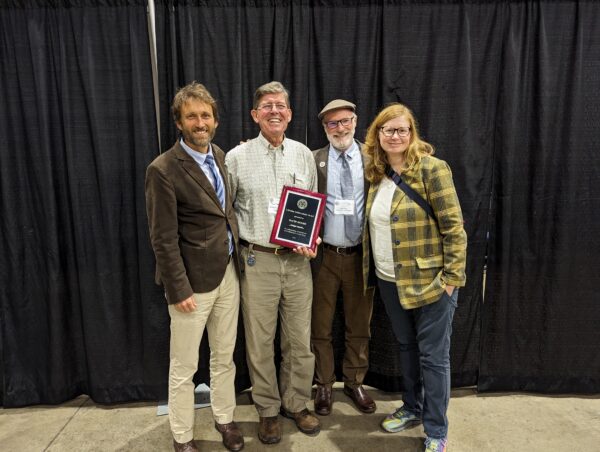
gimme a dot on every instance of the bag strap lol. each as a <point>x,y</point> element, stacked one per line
<point>410,192</point>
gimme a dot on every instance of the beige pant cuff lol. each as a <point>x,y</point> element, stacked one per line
<point>183,437</point>
<point>223,418</point>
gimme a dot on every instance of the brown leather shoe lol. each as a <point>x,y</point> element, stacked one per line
<point>323,400</point>
<point>232,436</point>
<point>190,446</point>
<point>361,399</point>
<point>269,431</point>
<point>306,422</point>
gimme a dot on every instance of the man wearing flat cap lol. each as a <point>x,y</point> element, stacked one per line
<point>338,266</point>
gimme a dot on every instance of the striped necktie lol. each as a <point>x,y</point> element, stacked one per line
<point>219,189</point>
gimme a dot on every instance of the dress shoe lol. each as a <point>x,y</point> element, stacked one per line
<point>269,431</point>
<point>232,436</point>
<point>361,398</point>
<point>190,446</point>
<point>323,400</point>
<point>305,421</point>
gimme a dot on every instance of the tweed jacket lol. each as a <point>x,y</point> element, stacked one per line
<point>188,226</point>
<point>321,156</point>
<point>428,255</point>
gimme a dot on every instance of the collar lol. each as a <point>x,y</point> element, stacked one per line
<point>268,146</point>
<point>198,156</point>
<point>350,152</point>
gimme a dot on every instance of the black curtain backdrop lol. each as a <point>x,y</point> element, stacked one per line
<point>430,58</point>
<point>80,311</point>
<point>541,312</point>
<point>233,47</point>
<point>373,54</point>
<point>506,91</point>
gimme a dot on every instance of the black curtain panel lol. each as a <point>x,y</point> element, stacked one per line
<point>431,58</point>
<point>371,53</point>
<point>541,311</point>
<point>233,47</point>
<point>80,312</point>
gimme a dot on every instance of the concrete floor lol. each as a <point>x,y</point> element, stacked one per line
<point>487,422</point>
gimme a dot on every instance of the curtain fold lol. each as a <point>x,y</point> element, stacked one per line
<point>80,313</point>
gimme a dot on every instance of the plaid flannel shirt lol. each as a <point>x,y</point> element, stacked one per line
<point>428,255</point>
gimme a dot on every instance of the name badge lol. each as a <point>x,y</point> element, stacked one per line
<point>343,207</point>
<point>273,206</point>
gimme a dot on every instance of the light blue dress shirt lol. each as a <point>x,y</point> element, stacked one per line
<point>334,224</point>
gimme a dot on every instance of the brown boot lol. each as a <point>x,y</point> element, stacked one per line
<point>323,400</point>
<point>305,421</point>
<point>190,446</point>
<point>269,431</point>
<point>361,398</point>
<point>232,436</point>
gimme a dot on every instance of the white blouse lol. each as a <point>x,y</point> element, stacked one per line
<point>380,231</point>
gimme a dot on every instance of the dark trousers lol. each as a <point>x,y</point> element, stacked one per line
<point>340,272</point>
<point>424,337</point>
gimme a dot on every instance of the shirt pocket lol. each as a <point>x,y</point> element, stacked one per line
<point>299,180</point>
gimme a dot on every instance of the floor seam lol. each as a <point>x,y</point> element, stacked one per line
<point>64,426</point>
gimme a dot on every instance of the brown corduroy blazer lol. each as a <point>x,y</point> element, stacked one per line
<point>188,226</point>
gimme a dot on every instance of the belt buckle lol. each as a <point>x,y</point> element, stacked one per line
<point>277,251</point>
<point>340,250</point>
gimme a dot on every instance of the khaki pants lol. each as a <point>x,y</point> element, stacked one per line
<point>278,286</point>
<point>218,310</point>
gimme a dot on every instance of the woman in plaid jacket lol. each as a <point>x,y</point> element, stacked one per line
<point>417,259</point>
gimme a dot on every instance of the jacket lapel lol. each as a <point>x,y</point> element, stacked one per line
<point>364,162</point>
<point>190,166</point>
<point>321,157</point>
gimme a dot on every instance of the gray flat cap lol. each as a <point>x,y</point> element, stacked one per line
<point>336,104</point>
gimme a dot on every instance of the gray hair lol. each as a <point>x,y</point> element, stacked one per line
<point>270,88</point>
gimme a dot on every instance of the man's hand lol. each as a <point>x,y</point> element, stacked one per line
<point>187,305</point>
<point>306,252</point>
<point>449,290</point>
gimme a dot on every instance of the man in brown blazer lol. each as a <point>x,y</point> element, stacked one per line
<point>338,264</point>
<point>194,235</point>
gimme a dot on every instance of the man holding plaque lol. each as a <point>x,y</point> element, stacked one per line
<point>276,283</point>
<point>338,266</point>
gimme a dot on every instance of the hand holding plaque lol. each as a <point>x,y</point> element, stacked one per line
<point>298,218</point>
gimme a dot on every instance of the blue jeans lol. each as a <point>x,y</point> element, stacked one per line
<point>424,337</point>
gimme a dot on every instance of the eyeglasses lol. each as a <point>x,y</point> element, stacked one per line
<point>342,122</point>
<point>389,132</point>
<point>270,107</point>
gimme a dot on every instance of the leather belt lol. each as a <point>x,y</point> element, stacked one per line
<point>264,249</point>
<point>341,250</point>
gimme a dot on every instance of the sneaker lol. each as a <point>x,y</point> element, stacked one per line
<point>435,444</point>
<point>400,420</point>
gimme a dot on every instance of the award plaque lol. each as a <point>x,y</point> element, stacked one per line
<point>298,218</point>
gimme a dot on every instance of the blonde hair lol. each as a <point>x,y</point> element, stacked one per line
<point>377,162</point>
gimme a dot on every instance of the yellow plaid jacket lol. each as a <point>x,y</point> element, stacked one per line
<point>428,255</point>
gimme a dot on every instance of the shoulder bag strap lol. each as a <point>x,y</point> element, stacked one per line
<point>410,192</point>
